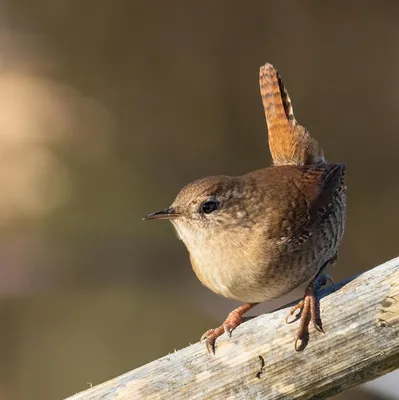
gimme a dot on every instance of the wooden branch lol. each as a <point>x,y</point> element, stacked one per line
<point>361,321</point>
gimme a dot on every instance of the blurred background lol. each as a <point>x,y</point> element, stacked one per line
<point>107,109</point>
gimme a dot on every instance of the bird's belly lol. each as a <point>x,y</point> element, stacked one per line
<point>251,278</point>
<point>253,282</point>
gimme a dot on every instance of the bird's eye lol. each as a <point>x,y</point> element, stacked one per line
<point>210,206</point>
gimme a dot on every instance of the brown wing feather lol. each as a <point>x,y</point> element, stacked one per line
<point>300,195</point>
<point>321,185</point>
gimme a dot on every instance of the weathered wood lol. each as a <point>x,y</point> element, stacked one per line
<point>361,321</point>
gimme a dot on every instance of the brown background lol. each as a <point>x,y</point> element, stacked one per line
<point>108,108</point>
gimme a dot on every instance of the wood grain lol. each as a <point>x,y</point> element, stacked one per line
<point>361,321</point>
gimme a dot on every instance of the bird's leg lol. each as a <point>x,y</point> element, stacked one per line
<point>309,307</point>
<point>232,321</point>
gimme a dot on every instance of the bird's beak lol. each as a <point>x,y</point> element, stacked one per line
<point>169,213</point>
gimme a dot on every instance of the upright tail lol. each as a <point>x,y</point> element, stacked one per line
<point>289,142</point>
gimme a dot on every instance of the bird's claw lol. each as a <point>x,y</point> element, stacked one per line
<point>210,336</point>
<point>298,306</point>
<point>232,321</point>
<point>309,312</point>
<point>206,335</point>
<point>229,328</point>
<point>209,343</point>
<point>318,326</point>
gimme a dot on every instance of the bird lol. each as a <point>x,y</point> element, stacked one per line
<point>260,235</point>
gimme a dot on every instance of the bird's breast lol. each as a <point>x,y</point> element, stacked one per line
<point>224,270</point>
<point>221,260</point>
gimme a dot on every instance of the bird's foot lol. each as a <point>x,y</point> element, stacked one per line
<point>309,307</point>
<point>232,321</point>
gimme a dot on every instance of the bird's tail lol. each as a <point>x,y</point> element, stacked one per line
<point>289,142</point>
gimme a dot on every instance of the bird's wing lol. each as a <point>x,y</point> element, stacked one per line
<point>300,197</point>
<point>321,184</point>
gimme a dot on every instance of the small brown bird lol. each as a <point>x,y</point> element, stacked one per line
<point>259,236</point>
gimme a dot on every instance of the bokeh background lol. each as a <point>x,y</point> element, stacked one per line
<point>108,108</point>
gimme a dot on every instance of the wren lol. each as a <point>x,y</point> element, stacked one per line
<point>259,236</point>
